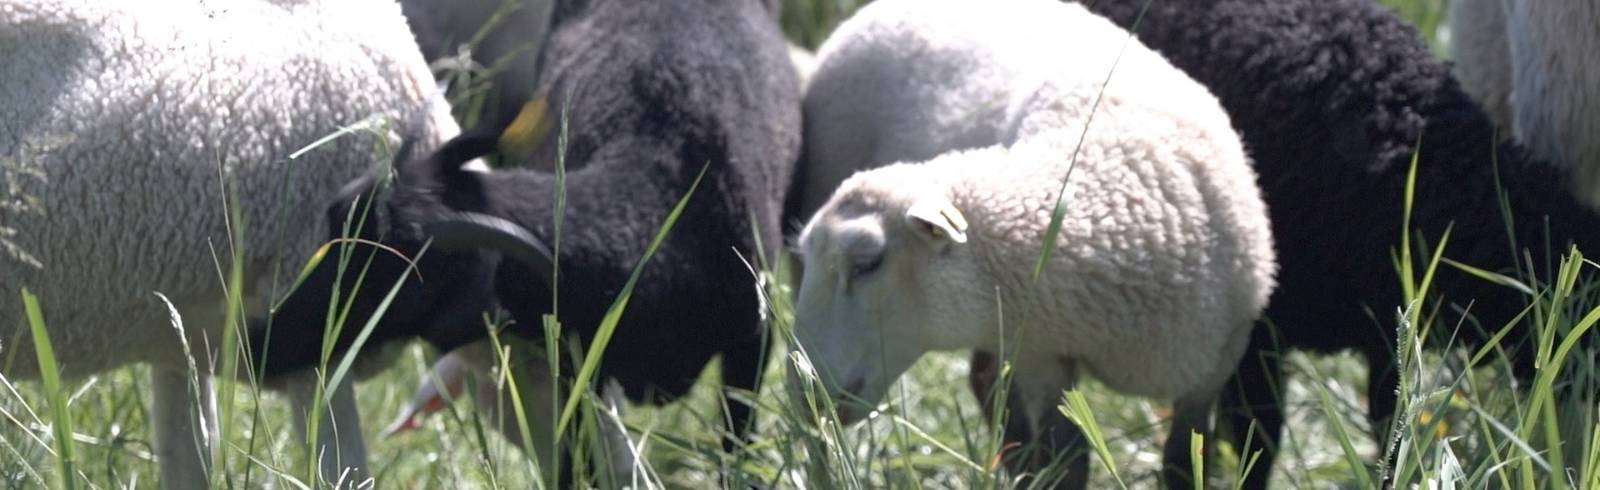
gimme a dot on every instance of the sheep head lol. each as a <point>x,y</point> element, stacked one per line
<point>422,254</point>
<point>884,264</point>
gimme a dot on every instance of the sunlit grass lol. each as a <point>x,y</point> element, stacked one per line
<point>1456,427</point>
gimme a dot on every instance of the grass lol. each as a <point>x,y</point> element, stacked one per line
<point>1458,427</point>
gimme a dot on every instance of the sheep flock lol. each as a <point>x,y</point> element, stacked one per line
<point>660,244</point>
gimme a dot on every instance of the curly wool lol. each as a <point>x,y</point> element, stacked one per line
<point>1332,97</point>
<point>125,127</point>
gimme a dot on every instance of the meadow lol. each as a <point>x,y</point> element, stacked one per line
<point>1463,423</point>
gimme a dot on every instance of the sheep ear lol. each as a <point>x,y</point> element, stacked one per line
<point>937,220</point>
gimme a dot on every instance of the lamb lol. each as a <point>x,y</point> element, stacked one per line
<point>656,91</point>
<point>1531,63</point>
<point>1331,110</point>
<point>1164,259</point>
<point>124,125</point>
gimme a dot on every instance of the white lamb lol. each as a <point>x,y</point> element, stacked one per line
<point>1164,257</point>
<point>1532,64</point>
<point>121,123</point>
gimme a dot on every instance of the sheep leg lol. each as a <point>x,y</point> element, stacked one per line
<point>985,372</point>
<point>1033,418</point>
<point>341,453</point>
<point>1251,402</point>
<point>1058,438</point>
<point>183,414</point>
<point>1191,414</point>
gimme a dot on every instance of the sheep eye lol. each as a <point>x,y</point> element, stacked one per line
<point>862,266</point>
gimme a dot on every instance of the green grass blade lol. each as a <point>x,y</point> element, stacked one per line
<point>1343,436</point>
<point>354,350</point>
<point>61,425</point>
<point>1077,410</point>
<point>230,346</point>
<point>1058,212</point>
<point>1408,284</point>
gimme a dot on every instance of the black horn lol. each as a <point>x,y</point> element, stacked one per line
<point>477,230</point>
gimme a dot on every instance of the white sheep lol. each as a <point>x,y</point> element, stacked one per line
<point>1164,257</point>
<point>1538,56</point>
<point>122,123</point>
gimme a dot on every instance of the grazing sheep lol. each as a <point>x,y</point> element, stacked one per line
<point>1332,97</point>
<point>657,92</point>
<point>1533,64</point>
<point>1163,261</point>
<point>124,125</point>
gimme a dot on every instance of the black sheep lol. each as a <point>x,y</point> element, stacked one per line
<point>656,92</point>
<point>1331,98</point>
<point>509,48</point>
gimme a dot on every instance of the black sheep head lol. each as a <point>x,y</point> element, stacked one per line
<point>425,233</point>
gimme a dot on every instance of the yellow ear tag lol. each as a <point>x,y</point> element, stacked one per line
<point>940,219</point>
<point>526,131</point>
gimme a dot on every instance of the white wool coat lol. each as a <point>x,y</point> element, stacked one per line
<point>1164,258</point>
<point>1532,65</point>
<point>126,128</point>
<point>1478,46</point>
<point>122,122</point>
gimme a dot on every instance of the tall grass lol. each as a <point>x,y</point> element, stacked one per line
<point>1463,421</point>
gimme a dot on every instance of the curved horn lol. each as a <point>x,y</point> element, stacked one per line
<point>477,230</point>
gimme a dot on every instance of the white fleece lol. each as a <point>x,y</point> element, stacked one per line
<point>116,119</point>
<point>1555,83</point>
<point>1482,59</point>
<point>1542,59</point>
<point>1164,257</point>
<point>120,124</point>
